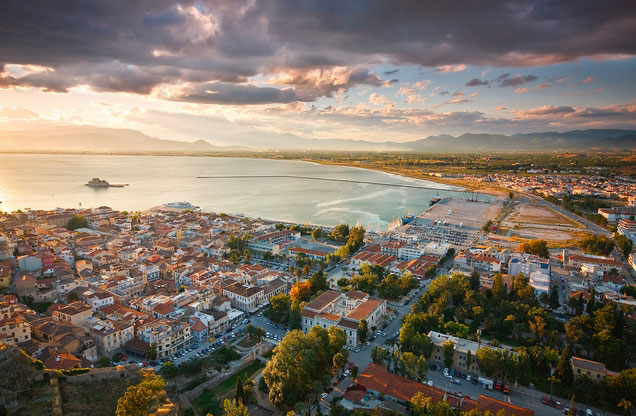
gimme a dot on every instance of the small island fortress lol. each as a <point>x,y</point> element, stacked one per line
<point>101,183</point>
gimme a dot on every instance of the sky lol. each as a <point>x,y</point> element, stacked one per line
<point>362,70</point>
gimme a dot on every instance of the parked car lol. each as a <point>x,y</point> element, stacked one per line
<point>456,381</point>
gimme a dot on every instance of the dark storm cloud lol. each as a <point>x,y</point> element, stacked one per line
<point>238,94</point>
<point>141,44</point>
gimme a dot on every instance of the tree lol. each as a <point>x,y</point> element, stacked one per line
<point>363,330</point>
<point>498,288</point>
<point>554,298</point>
<point>339,361</point>
<point>379,355</point>
<point>624,244</point>
<point>104,362</point>
<point>301,367</point>
<point>78,221</point>
<point>354,372</point>
<point>239,395</point>
<point>316,234</point>
<point>255,333</point>
<point>469,360</point>
<point>151,352</point>
<point>318,282</point>
<point>300,291</point>
<point>536,247</point>
<point>340,233</point>
<point>279,308</point>
<point>168,370</point>
<point>295,319</point>
<point>449,350</point>
<point>235,408</point>
<point>596,244</point>
<point>144,398</point>
<point>564,368</point>
<point>421,404</point>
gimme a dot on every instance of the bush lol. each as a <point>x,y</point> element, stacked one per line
<point>75,371</point>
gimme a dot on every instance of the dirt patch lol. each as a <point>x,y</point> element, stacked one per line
<point>95,399</point>
<point>536,214</point>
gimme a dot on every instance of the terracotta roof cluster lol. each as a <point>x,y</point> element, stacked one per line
<point>376,378</point>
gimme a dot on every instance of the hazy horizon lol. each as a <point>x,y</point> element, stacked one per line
<point>213,71</point>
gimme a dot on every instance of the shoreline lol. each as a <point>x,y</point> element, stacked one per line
<point>450,182</point>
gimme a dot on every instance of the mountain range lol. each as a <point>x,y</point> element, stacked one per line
<point>106,140</point>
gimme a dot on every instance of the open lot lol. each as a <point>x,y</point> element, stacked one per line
<point>529,221</point>
<point>535,214</point>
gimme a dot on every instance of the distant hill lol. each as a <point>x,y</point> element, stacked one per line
<point>579,140</point>
<point>95,139</point>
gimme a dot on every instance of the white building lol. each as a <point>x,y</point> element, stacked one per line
<point>540,281</point>
<point>343,310</point>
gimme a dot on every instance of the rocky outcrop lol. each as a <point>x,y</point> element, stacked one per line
<point>18,373</point>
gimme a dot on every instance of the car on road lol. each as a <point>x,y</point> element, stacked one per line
<point>323,395</point>
<point>455,381</point>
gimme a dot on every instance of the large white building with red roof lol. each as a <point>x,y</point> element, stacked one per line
<point>343,310</point>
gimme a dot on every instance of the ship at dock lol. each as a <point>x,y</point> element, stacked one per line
<point>101,183</point>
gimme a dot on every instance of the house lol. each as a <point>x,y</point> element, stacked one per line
<point>75,313</point>
<point>486,263</point>
<point>14,330</point>
<point>110,336</point>
<point>372,259</point>
<point>590,264</point>
<point>462,348</point>
<point>98,300</point>
<point>594,370</point>
<point>312,254</point>
<point>526,264</point>
<point>245,298</point>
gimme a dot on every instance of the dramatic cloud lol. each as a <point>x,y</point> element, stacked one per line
<point>236,94</point>
<point>137,47</point>
<point>587,80</point>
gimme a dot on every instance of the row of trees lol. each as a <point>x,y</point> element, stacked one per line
<point>388,285</point>
<point>598,245</point>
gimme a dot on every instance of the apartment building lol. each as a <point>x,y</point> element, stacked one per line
<point>168,335</point>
